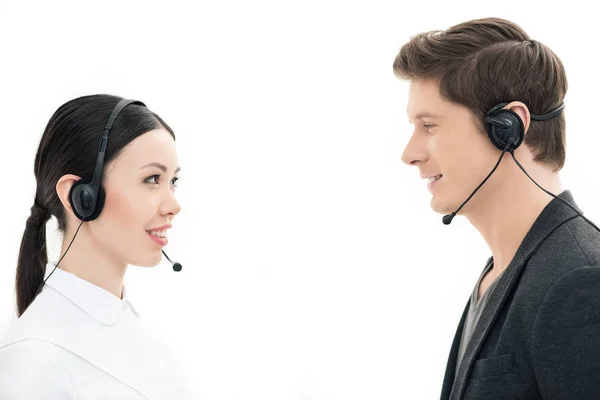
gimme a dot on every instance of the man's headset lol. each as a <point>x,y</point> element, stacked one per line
<point>87,198</point>
<point>503,125</point>
<point>506,131</point>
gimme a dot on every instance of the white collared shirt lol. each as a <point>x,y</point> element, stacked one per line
<point>78,341</point>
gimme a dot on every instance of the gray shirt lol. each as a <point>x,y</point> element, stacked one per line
<point>475,308</point>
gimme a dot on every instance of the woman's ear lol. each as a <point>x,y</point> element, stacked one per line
<point>522,111</point>
<point>63,187</point>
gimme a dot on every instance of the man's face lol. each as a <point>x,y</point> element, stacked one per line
<point>447,141</point>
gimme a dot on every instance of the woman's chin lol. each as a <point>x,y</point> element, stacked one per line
<point>149,262</point>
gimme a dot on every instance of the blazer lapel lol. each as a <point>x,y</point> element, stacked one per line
<point>552,217</point>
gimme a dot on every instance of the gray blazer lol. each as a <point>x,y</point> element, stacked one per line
<point>539,334</point>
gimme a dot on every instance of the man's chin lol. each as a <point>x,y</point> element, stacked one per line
<point>441,207</point>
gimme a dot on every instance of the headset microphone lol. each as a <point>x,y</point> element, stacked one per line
<point>506,131</point>
<point>176,266</point>
<point>448,218</point>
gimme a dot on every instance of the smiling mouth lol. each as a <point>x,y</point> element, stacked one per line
<point>162,241</point>
<point>160,234</point>
<point>435,178</point>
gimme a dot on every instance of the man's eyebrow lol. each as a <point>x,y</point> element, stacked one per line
<point>426,114</point>
<point>161,166</point>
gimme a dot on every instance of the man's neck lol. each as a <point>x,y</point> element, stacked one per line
<point>507,216</point>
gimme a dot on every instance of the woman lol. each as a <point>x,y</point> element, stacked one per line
<point>110,163</point>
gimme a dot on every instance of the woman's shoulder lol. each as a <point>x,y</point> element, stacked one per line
<point>29,369</point>
<point>21,352</point>
<point>45,314</point>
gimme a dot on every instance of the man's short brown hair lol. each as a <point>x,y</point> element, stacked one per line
<point>484,62</point>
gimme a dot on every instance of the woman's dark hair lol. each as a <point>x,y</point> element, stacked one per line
<point>70,145</point>
<point>484,62</point>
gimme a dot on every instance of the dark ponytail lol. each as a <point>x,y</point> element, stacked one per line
<point>33,257</point>
<point>69,145</point>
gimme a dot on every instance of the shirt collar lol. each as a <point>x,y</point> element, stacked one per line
<point>97,302</point>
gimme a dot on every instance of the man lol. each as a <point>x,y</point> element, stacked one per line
<point>531,329</point>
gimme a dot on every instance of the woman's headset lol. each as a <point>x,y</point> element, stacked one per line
<point>87,197</point>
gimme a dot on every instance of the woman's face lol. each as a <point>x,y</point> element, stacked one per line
<point>140,196</point>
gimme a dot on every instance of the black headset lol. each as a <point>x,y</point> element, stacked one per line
<point>504,126</point>
<point>506,131</point>
<point>87,198</point>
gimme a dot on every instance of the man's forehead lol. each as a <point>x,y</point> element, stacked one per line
<point>424,98</point>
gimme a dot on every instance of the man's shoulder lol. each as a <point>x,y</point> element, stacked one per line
<point>573,246</point>
<point>587,239</point>
<point>583,281</point>
<point>568,254</point>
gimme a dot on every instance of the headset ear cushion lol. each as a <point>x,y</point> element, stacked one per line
<point>79,189</point>
<point>99,204</point>
<point>502,125</point>
<point>74,200</point>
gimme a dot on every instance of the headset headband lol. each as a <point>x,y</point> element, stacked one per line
<point>95,183</point>
<point>535,117</point>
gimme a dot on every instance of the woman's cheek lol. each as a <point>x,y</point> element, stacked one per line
<point>121,207</point>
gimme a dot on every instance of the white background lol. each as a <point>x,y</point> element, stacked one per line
<point>313,266</point>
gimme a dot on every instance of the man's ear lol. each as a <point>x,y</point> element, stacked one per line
<point>63,187</point>
<point>522,111</point>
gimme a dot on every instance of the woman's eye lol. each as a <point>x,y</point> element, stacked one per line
<point>174,180</point>
<point>153,176</point>
<point>428,126</point>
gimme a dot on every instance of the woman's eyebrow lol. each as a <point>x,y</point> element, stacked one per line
<point>161,166</point>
